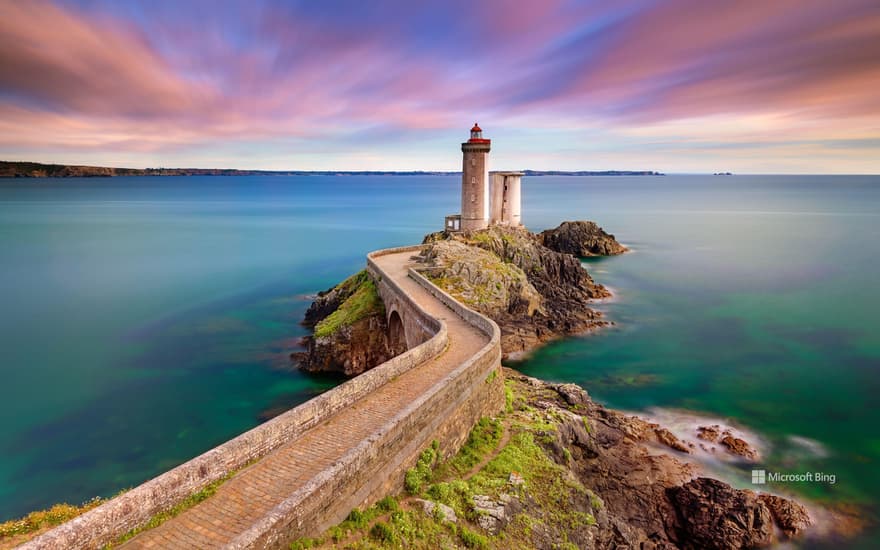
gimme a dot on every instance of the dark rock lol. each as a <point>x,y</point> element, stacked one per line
<point>350,350</point>
<point>573,432</point>
<point>739,447</point>
<point>534,294</point>
<point>573,394</point>
<point>581,239</point>
<point>637,498</point>
<point>354,345</point>
<point>324,304</point>
<point>626,483</point>
<point>667,438</point>
<point>791,517</point>
<point>713,515</point>
<point>429,507</point>
<point>493,515</point>
<point>709,433</point>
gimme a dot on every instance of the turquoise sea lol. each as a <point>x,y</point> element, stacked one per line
<point>145,320</point>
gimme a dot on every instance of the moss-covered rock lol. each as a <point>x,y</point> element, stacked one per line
<point>533,293</point>
<point>482,280</point>
<point>350,331</point>
<point>362,301</point>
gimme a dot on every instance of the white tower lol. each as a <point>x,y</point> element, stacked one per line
<point>506,199</point>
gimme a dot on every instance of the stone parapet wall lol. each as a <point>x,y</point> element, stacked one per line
<point>375,468</point>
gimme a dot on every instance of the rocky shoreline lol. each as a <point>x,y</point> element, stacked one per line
<point>654,491</point>
<point>557,470</point>
<point>653,499</point>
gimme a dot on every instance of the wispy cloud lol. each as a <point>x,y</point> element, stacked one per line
<point>107,81</point>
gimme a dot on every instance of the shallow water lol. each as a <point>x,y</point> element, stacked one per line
<point>145,320</point>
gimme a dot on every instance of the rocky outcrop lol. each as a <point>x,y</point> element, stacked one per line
<point>581,239</point>
<point>739,447</point>
<point>790,516</point>
<point>350,350</point>
<point>642,499</point>
<point>431,508</point>
<point>534,294</point>
<point>482,280</point>
<point>713,515</point>
<point>350,332</point>
<point>735,445</point>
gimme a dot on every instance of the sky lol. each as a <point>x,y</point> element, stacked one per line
<point>747,86</point>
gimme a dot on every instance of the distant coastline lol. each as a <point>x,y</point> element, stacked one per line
<point>39,170</point>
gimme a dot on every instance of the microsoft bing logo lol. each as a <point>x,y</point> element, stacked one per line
<point>759,477</point>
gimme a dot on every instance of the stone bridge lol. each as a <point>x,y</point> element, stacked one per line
<point>303,471</point>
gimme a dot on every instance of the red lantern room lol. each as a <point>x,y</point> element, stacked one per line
<point>477,135</point>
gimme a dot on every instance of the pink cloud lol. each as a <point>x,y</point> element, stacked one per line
<point>52,56</point>
<point>686,58</point>
<point>90,81</point>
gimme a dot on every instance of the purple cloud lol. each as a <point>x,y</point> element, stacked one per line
<point>92,75</point>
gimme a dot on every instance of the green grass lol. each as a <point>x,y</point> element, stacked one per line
<point>481,237</point>
<point>456,494</point>
<point>349,285</point>
<point>491,377</point>
<point>522,455</point>
<point>40,519</point>
<point>508,396</point>
<point>489,294</point>
<point>482,440</point>
<point>423,471</point>
<point>304,544</point>
<point>363,301</point>
<point>472,539</point>
<point>384,533</point>
<point>386,525</point>
<point>388,504</point>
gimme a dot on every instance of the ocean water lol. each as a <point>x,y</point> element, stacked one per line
<point>145,320</point>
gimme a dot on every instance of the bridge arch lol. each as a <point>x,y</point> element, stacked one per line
<point>396,334</point>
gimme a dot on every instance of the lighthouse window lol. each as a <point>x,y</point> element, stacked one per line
<point>473,162</point>
<point>473,179</point>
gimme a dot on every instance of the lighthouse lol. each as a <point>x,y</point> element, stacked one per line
<point>475,181</point>
<point>483,204</point>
